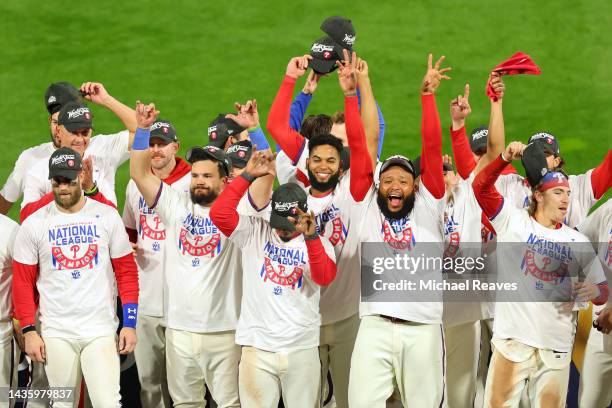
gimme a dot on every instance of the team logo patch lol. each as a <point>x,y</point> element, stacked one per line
<point>404,240</point>
<point>51,99</point>
<point>241,154</point>
<point>72,260</point>
<point>87,116</point>
<point>71,163</point>
<point>195,245</point>
<point>327,55</point>
<point>165,130</point>
<point>213,135</point>
<point>282,276</point>
<point>156,232</point>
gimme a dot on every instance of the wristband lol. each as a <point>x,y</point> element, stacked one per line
<point>141,139</point>
<point>311,237</point>
<point>94,190</point>
<point>247,177</point>
<point>29,328</point>
<point>258,138</point>
<point>130,313</point>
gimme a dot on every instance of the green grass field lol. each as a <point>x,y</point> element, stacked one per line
<point>195,58</point>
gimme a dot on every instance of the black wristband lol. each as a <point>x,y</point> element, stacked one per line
<point>311,237</point>
<point>91,192</point>
<point>247,177</point>
<point>29,328</point>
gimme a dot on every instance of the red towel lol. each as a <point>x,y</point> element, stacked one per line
<point>519,63</point>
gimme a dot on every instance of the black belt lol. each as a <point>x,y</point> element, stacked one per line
<point>394,319</point>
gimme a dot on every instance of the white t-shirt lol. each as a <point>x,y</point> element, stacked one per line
<point>421,229</point>
<point>338,218</point>
<point>280,302</point>
<point>515,190</point>
<point>202,267</point>
<point>288,172</point>
<point>14,186</point>
<point>76,281</point>
<point>598,228</point>
<point>107,152</point>
<point>151,243</point>
<point>9,231</point>
<point>544,325</point>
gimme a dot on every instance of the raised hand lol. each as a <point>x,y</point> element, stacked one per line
<point>304,223</point>
<point>497,84</point>
<point>297,66</point>
<point>247,116</point>
<point>434,75</point>
<point>460,108</point>
<point>87,183</point>
<point>347,73</point>
<point>514,151</point>
<point>260,164</point>
<point>311,83</point>
<point>362,70</point>
<point>146,115</point>
<point>95,92</point>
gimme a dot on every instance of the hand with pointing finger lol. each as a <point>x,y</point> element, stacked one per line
<point>304,222</point>
<point>434,75</point>
<point>460,108</point>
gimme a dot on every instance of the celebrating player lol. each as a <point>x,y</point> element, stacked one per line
<point>398,215</point>
<point>147,231</point>
<point>533,340</point>
<point>67,252</point>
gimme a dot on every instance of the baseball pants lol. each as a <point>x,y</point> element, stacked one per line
<point>596,377</point>
<point>486,334</point>
<point>462,349</point>
<point>545,377</point>
<point>197,360</point>
<point>409,355</point>
<point>96,359</point>
<point>335,350</point>
<point>150,355</point>
<point>265,376</point>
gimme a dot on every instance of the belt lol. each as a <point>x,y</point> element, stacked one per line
<point>394,319</point>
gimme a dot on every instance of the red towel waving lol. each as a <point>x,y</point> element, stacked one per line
<point>519,63</point>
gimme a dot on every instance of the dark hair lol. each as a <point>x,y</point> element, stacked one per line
<point>533,204</point>
<point>338,118</point>
<point>325,139</point>
<point>315,125</point>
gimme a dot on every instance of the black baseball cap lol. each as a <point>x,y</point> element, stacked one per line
<point>162,129</point>
<point>75,116</point>
<point>214,153</point>
<point>286,199</point>
<point>60,93</point>
<point>325,52</point>
<point>65,162</point>
<point>240,153</point>
<point>417,166</point>
<point>478,139</point>
<point>221,129</point>
<point>341,30</point>
<point>547,141</point>
<point>534,162</point>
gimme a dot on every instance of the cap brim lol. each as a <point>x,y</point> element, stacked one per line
<point>280,222</point>
<point>218,142</point>
<point>479,147</point>
<point>408,166</point>
<point>69,174</point>
<point>74,126</point>
<point>321,66</point>
<point>165,139</point>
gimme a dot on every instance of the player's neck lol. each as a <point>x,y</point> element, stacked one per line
<point>545,220</point>
<point>165,171</point>
<point>318,193</point>
<point>75,208</point>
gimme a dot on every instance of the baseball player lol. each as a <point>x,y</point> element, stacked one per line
<point>8,347</point>
<point>224,132</point>
<point>396,339</point>
<point>239,155</point>
<point>202,273</point>
<point>74,130</point>
<point>533,340</point>
<point>75,254</point>
<point>284,261</point>
<point>147,231</point>
<point>596,375</point>
<point>56,96</point>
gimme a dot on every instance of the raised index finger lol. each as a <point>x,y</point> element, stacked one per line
<point>429,60</point>
<point>466,93</point>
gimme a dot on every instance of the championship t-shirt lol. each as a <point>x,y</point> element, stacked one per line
<point>280,302</point>
<point>14,186</point>
<point>539,258</point>
<point>150,256</point>
<point>202,267</point>
<point>76,281</point>
<point>107,153</point>
<point>7,238</point>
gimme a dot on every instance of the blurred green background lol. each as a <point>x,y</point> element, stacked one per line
<point>194,59</point>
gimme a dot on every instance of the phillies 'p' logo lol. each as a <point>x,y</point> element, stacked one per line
<point>165,130</point>
<point>71,163</point>
<point>213,135</point>
<point>326,54</point>
<point>87,115</point>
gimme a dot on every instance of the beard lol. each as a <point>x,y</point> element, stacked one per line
<point>67,202</point>
<point>324,186</point>
<point>407,206</point>
<point>203,199</point>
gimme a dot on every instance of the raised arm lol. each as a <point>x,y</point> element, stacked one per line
<point>601,177</point>
<point>362,173</point>
<point>459,111</point>
<point>140,158</point>
<point>96,93</point>
<point>369,109</point>
<point>496,139</point>
<point>278,123</point>
<point>431,131</point>
<point>302,100</point>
